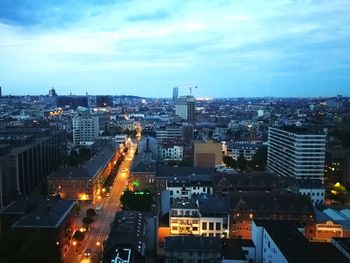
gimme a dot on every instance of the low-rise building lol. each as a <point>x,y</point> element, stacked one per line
<point>279,241</point>
<point>246,206</point>
<point>53,215</point>
<point>193,249</point>
<point>85,183</point>
<point>184,218</point>
<point>314,189</point>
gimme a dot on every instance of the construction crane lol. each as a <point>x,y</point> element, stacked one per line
<point>190,87</point>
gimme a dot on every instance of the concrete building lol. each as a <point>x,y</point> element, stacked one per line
<point>314,189</point>
<point>185,108</point>
<point>244,207</point>
<point>184,218</point>
<point>170,152</point>
<point>132,238</point>
<point>207,154</point>
<point>283,241</point>
<point>85,183</point>
<point>52,215</point>
<point>85,128</point>
<point>192,249</point>
<point>175,93</point>
<point>234,150</point>
<point>26,167</point>
<point>296,152</point>
<point>189,187</point>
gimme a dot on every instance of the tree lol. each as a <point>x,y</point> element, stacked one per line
<point>241,162</point>
<point>88,220</point>
<point>140,201</point>
<point>90,212</point>
<point>229,162</point>
<point>78,236</point>
<point>259,159</point>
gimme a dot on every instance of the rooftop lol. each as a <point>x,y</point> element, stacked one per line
<point>46,214</point>
<point>166,171</point>
<point>290,241</point>
<point>193,243</point>
<point>271,202</point>
<point>233,248</point>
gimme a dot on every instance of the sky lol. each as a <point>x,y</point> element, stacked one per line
<point>236,48</point>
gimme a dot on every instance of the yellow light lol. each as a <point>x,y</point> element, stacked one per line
<point>82,229</point>
<point>98,243</point>
<point>337,184</point>
<point>74,243</point>
<point>334,192</point>
<point>103,189</point>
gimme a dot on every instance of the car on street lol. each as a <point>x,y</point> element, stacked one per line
<point>87,252</point>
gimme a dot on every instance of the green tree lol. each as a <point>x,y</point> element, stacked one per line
<point>229,162</point>
<point>90,212</point>
<point>241,162</point>
<point>140,201</point>
<point>79,236</point>
<point>259,159</point>
<point>88,220</point>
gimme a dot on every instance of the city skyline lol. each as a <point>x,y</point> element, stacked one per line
<point>238,49</point>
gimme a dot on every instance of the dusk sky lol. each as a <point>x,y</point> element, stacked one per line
<point>226,48</point>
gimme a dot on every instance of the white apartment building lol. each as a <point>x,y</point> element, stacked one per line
<point>85,128</point>
<point>296,152</point>
<point>174,153</point>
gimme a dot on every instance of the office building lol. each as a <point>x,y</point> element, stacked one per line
<point>175,93</point>
<point>296,152</point>
<point>185,108</point>
<point>26,167</point>
<point>85,128</point>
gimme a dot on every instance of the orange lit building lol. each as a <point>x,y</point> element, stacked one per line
<point>85,183</point>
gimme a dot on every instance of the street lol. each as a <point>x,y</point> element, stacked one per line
<point>99,230</point>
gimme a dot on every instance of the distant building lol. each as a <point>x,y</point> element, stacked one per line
<point>85,128</point>
<point>248,150</point>
<point>175,93</point>
<point>296,152</point>
<point>207,154</point>
<point>72,102</point>
<point>52,93</point>
<point>185,108</point>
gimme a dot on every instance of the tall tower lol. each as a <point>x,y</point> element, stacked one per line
<point>185,108</point>
<point>175,93</point>
<point>296,152</point>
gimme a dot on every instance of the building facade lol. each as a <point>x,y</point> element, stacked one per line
<point>85,128</point>
<point>296,152</point>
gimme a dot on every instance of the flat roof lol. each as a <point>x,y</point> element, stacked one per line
<point>290,241</point>
<point>193,243</point>
<point>49,214</point>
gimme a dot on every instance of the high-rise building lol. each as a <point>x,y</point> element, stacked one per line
<point>175,93</point>
<point>185,108</point>
<point>296,152</point>
<point>85,128</point>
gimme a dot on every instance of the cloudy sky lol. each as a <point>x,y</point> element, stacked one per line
<point>226,48</point>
